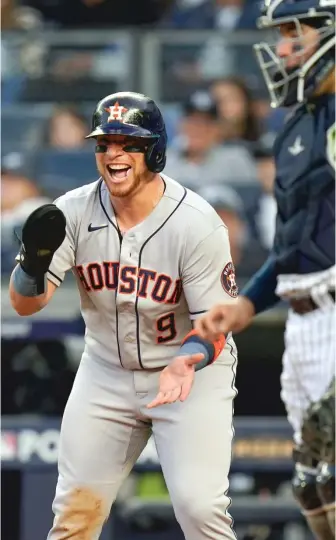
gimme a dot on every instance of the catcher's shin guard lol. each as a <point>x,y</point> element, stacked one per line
<point>318,435</point>
<point>318,428</point>
<point>305,491</point>
<point>325,483</point>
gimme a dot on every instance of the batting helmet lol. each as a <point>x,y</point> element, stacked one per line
<point>133,115</point>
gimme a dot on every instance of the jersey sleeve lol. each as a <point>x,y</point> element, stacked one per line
<point>64,258</point>
<point>208,276</point>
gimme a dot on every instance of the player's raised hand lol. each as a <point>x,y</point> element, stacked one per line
<point>176,380</point>
<point>225,318</point>
<point>42,234</point>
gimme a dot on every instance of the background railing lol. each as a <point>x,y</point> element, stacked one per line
<point>166,65</point>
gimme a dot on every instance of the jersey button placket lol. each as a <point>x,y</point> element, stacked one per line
<point>126,302</point>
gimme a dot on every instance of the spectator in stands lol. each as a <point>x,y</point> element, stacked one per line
<point>8,14</point>
<point>246,252</point>
<point>19,197</point>
<point>66,129</point>
<point>267,206</point>
<point>236,109</point>
<point>100,13</point>
<point>197,157</point>
<point>211,14</point>
<point>269,120</point>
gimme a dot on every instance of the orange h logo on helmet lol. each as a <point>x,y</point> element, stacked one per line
<point>116,112</point>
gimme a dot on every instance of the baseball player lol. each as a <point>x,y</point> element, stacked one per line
<point>149,258</point>
<point>299,71</point>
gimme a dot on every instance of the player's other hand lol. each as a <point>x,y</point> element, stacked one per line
<point>225,318</point>
<point>176,380</point>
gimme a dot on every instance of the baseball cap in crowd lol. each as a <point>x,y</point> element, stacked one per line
<point>202,102</point>
<point>223,197</point>
<point>12,162</point>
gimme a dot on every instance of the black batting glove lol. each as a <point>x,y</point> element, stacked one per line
<point>42,234</point>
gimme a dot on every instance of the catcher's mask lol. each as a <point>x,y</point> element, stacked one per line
<point>288,86</point>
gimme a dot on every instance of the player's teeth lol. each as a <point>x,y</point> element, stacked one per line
<point>112,169</point>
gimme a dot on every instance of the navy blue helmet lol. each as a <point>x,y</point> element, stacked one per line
<point>288,86</point>
<point>137,116</point>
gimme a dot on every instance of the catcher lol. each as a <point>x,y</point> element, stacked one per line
<point>299,70</point>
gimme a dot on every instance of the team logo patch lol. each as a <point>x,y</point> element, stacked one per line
<point>228,280</point>
<point>116,112</point>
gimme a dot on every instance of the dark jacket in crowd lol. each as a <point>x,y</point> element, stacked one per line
<point>100,13</point>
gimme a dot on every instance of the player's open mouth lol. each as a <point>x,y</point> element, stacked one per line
<point>118,173</point>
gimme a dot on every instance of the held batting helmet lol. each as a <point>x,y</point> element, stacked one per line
<point>134,115</point>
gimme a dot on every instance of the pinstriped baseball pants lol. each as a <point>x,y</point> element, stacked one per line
<point>308,361</point>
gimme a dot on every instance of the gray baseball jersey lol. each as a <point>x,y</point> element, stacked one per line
<point>140,292</point>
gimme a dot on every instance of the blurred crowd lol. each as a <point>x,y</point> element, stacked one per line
<point>219,123</point>
<point>179,14</point>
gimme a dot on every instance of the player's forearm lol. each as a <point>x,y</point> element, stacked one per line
<point>21,294</point>
<point>26,306</point>
<point>260,290</point>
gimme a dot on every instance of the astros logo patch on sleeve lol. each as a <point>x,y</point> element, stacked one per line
<point>228,279</point>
